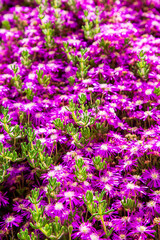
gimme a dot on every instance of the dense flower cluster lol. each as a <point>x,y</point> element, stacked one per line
<point>80,119</point>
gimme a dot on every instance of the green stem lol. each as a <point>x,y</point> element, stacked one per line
<point>32,145</point>
<point>101,217</point>
<point>14,142</point>
<point>28,117</point>
<point>52,149</point>
<point>6,126</point>
<point>74,117</point>
<point>104,226</point>
<point>91,97</point>
<point>71,207</point>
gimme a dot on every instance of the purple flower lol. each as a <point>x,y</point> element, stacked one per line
<point>128,163</point>
<point>142,231</point>
<point>134,178</point>
<point>94,236</point>
<point>153,207</point>
<point>10,221</point>
<point>58,172</point>
<point>155,196</point>
<point>153,175</point>
<point>105,149</point>
<point>133,189</point>
<point>83,230</point>
<point>121,236</point>
<point>57,209</point>
<point>70,197</point>
<point>3,199</point>
<point>22,207</point>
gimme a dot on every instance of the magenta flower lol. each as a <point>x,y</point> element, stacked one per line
<point>134,178</point>
<point>109,180</point>
<point>10,221</point>
<point>142,231</point>
<point>155,196</point>
<point>133,189</point>
<point>153,207</point>
<point>121,236</point>
<point>128,164</point>
<point>153,177</point>
<point>105,149</point>
<point>70,197</point>
<point>3,199</point>
<point>59,172</point>
<point>83,230</point>
<point>94,236</point>
<point>22,207</point>
<point>57,209</point>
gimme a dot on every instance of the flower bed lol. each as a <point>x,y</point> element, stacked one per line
<point>79,119</point>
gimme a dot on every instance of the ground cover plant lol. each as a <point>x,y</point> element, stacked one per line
<point>79,119</point>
